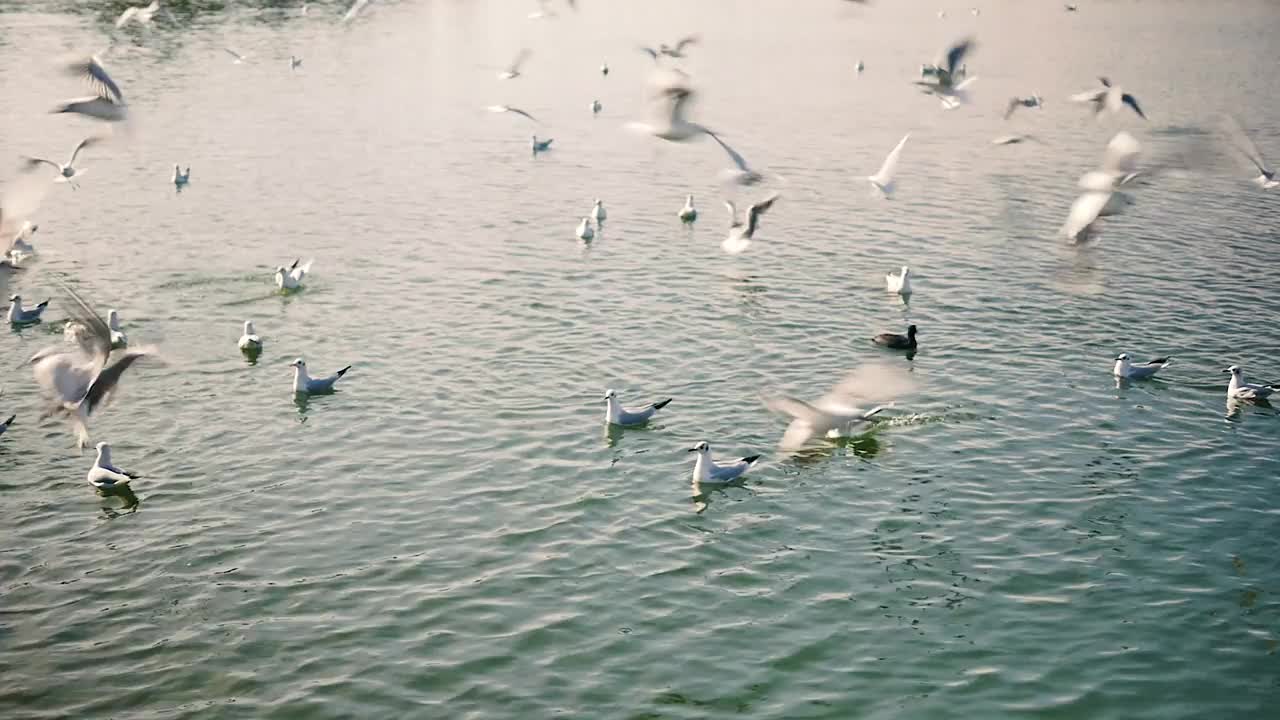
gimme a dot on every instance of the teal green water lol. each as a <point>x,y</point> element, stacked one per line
<point>454,534</point>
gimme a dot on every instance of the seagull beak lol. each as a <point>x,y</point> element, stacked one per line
<point>693,449</point>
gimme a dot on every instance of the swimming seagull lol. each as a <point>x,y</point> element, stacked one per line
<point>945,76</point>
<point>118,338</point>
<point>304,383</point>
<point>708,471</point>
<point>883,180</point>
<point>744,175</point>
<point>78,379</point>
<point>900,283</point>
<point>688,213</point>
<point>291,278</point>
<point>1238,389</point>
<point>540,145</point>
<point>1126,370</point>
<point>1119,164</point>
<point>509,109</point>
<point>1241,142</point>
<point>180,178</point>
<point>604,69</point>
<point>860,67</point>
<point>513,70</point>
<point>615,414</point>
<point>105,476</point>
<point>837,413</point>
<point>66,173</point>
<point>1108,97</point>
<point>295,62</point>
<point>108,104</point>
<point>19,316</point>
<point>249,341</point>
<point>584,231</point>
<point>740,234</point>
<point>1016,102</point>
<point>598,213</point>
<point>356,8</point>
<point>236,58</point>
<point>596,107</point>
<point>896,341</point>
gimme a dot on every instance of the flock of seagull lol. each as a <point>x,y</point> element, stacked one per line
<point>79,375</point>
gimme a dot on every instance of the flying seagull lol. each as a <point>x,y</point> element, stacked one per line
<point>513,70</point>
<point>509,109</point>
<point>883,180</point>
<point>946,81</point>
<point>1240,141</point>
<point>844,410</point>
<point>1119,164</point>
<point>1108,97</point>
<point>67,172</point>
<point>236,58</point>
<point>1034,101</point>
<point>670,96</point>
<point>108,104</point>
<point>740,233</point>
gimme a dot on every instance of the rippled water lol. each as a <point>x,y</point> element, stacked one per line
<point>453,534</point>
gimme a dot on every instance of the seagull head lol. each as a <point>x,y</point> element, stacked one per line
<point>298,364</point>
<point>1122,356</point>
<point>104,451</point>
<point>15,298</point>
<point>701,447</point>
<point>280,270</point>
<point>610,394</point>
<point>905,271</point>
<point>248,327</point>
<point>1234,370</point>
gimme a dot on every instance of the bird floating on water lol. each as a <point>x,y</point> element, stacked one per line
<point>304,383</point>
<point>896,341</point>
<point>295,62</point>
<point>181,178</point>
<point>1125,369</point>
<point>540,145</point>
<point>584,231</point>
<point>884,179</point>
<point>708,471</point>
<point>291,278</point>
<point>1108,97</point>
<point>66,173</point>
<point>598,212</point>
<point>604,69</point>
<point>118,338</point>
<point>105,476</point>
<point>1238,389</point>
<point>615,414</point>
<point>596,107</point>
<point>20,316</point>
<point>900,283</point>
<point>740,233</point>
<point>249,342</point>
<point>108,104</point>
<point>688,213</point>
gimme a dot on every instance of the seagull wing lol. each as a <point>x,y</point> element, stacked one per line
<point>523,55</point>
<point>31,162</point>
<point>97,338</point>
<point>1121,156</point>
<point>508,108</point>
<point>955,55</point>
<point>1241,141</point>
<point>83,144</point>
<point>651,52</point>
<point>1105,82</point>
<point>1013,105</point>
<point>890,166</point>
<point>97,75</point>
<point>1084,212</point>
<point>755,211</point>
<point>233,54</point>
<point>733,213</point>
<point>1132,102</point>
<point>733,154</point>
<point>686,41</point>
<point>356,7</point>
<point>126,16</point>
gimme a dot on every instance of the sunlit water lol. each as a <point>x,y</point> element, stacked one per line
<point>453,533</point>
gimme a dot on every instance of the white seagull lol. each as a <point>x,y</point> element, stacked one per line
<point>598,213</point>
<point>615,414</point>
<point>707,471</point>
<point>20,247</point>
<point>304,383</point>
<point>19,316</point>
<point>105,476</point>
<point>670,96</point>
<point>1127,370</point>
<point>1119,164</point>
<point>688,213</point>
<point>118,338</point>
<point>108,104</point>
<point>900,283</point>
<point>840,413</point>
<point>142,15</point>
<point>181,178</point>
<point>78,379</point>
<point>1016,102</point>
<point>66,173</point>
<point>291,278</point>
<point>1240,141</point>
<point>883,181</point>
<point>249,341</point>
<point>513,70</point>
<point>1238,389</point>
<point>740,234</point>
<point>584,231</point>
<point>1108,97</point>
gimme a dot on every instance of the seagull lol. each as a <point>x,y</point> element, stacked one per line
<point>1237,137</point>
<point>883,180</point>
<point>78,379</point>
<point>604,69</point>
<point>900,283</point>
<point>1014,139</point>
<point>944,76</point>
<point>294,62</point>
<point>835,415</point>
<point>19,247</point>
<point>1127,371</point>
<point>291,278</point>
<point>1238,389</point>
<point>513,70</point>
<point>180,178</point>
<point>740,235</point>
<point>142,15</point>
<point>676,51</point>
<point>1070,8</point>
<point>744,175</point>
<point>596,107</point>
<point>356,8</point>
<point>236,58</point>
<point>249,341</point>
<point>687,213</point>
<point>860,67</point>
<point>66,173</point>
<point>708,471</point>
<point>597,212</point>
<point>118,338</point>
<point>671,95</point>
<point>615,414</point>
<point>896,341</point>
<point>1034,101</point>
<point>18,316</point>
<point>105,476</point>
<point>541,145</point>
<point>1108,97</point>
<point>4,426</point>
<point>1119,165</point>
<point>584,231</point>
<point>509,109</point>
<point>303,383</point>
<point>108,104</point>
